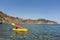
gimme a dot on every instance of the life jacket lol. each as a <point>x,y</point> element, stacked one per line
<point>17,26</point>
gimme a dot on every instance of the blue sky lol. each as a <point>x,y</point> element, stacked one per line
<point>32,9</point>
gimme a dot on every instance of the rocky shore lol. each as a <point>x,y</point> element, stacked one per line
<point>9,19</point>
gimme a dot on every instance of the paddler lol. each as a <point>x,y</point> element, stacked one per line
<point>16,27</point>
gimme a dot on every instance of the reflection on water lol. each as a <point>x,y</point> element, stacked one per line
<point>35,32</point>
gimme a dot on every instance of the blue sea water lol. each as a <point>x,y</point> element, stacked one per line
<point>35,32</point>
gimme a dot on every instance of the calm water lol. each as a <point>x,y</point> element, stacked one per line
<point>35,32</point>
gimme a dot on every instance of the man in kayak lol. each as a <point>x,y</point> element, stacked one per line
<point>17,26</point>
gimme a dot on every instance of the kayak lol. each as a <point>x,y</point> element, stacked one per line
<point>21,30</point>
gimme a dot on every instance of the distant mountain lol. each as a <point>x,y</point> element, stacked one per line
<point>10,19</point>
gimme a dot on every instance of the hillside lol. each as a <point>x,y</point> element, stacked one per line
<point>10,19</point>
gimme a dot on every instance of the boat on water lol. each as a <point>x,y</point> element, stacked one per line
<point>21,30</point>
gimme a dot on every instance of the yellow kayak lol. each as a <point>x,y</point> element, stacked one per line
<point>21,30</point>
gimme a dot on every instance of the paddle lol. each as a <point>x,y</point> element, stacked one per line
<point>13,24</point>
